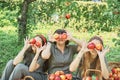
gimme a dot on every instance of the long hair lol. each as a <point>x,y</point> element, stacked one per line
<point>87,60</point>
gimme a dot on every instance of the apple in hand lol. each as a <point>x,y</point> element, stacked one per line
<point>56,36</point>
<point>38,44</point>
<point>99,47</point>
<point>64,36</point>
<point>32,41</point>
<point>91,46</point>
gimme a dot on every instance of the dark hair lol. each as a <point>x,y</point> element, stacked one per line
<point>61,31</point>
<point>44,40</point>
<point>97,38</point>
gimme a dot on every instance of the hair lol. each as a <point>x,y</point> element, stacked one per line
<point>61,31</point>
<point>87,60</point>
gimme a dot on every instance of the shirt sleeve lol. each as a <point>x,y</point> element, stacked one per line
<point>41,61</point>
<point>74,48</point>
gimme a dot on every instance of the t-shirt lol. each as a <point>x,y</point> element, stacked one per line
<point>61,61</point>
<point>28,59</point>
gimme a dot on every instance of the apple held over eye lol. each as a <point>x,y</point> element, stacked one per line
<point>38,44</point>
<point>91,46</point>
<point>99,47</point>
<point>56,36</point>
<point>67,16</point>
<point>32,41</point>
<point>64,36</point>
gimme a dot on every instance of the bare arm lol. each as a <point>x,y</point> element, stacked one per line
<point>75,63</point>
<point>46,52</point>
<point>105,71</point>
<point>34,65</point>
<point>20,55</point>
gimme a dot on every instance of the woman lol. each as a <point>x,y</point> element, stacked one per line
<point>58,51</point>
<point>91,56</point>
<point>28,61</point>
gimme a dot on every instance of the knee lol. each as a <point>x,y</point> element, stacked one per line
<point>21,67</point>
<point>10,62</point>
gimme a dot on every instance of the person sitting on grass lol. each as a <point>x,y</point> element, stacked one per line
<point>91,56</point>
<point>28,62</point>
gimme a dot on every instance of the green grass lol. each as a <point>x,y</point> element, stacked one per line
<point>9,47</point>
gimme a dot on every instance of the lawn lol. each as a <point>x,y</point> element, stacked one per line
<point>9,47</point>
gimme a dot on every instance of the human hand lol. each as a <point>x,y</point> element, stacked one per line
<point>69,35</point>
<point>39,49</point>
<point>26,43</point>
<point>103,52</point>
<point>50,36</point>
<point>84,46</point>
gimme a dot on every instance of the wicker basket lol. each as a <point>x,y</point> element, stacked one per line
<point>114,65</point>
<point>93,70</point>
<point>28,77</point>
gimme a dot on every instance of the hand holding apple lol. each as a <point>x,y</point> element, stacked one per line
<point>26,43</point>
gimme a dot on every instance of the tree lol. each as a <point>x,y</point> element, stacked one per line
<point>23,20</point>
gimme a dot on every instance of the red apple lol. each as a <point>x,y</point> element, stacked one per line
<point>32,41</point>
<point>56,36</point>
<point>97,78</point>
<point>99,47</point>
<point>91,46</point>
<point>62,73</point>
<point>115,77</point>
<point>51,76</point>
<point>114,70</point>
<point>38,44</point>
<point>88,78</point>
<point>63,77</point>
<point>64,36</point>
<point>57,73</point>
<point>110,75</point>
<point>67,16</point>
<point>57,78</point>
<point>68,76</point>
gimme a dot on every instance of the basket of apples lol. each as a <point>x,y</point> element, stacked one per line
<point>60,75</point>
<point>93,77</point>
<point>115,71</point>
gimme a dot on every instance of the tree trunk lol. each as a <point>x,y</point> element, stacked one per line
<point>23,21</point>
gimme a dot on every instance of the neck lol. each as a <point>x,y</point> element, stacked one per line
<point>61,47</point>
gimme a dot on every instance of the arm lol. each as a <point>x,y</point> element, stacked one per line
<point>34,65</point>
<point>46,52</point>
<point>77,41</point>
<point>75,63</point>
<point>20,55</point>
<point>104,68</point>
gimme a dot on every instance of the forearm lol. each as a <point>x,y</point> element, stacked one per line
<point>77,41</point>
<point>104,68</point>
<point>46,52</point>
<point>34,65</point>
<point>75,63</point>
<point>19,57</point>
